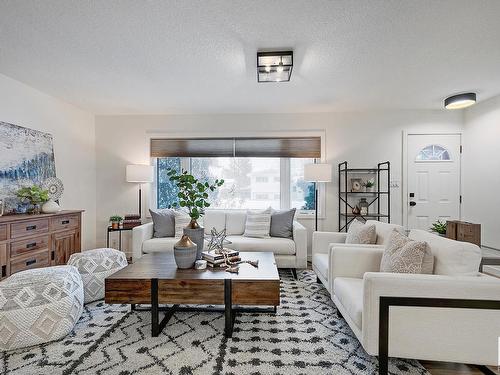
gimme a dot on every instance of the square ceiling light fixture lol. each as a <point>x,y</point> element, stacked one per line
<point>274,66</point>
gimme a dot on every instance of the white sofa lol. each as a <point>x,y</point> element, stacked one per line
<point>440,334</point>
<point>288,252</point>
<point>322,263</point>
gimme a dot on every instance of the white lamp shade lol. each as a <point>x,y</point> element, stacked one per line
<point>318,172</point>
<point>139,173</point>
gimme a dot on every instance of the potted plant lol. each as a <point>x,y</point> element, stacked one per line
<point>439,227</point>
<point>115,221</point>
<point>33,195</point>
<point>369,185</point>
<point>193,197</point>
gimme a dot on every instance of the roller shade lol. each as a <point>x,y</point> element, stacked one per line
<point>279,147</point>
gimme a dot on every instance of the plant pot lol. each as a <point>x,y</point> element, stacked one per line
<point>370,189</point>
<point>115,225</point>
<point>197,236</point>
<point>185,252</point>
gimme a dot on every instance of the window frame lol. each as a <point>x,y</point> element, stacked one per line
<point>285,184</point>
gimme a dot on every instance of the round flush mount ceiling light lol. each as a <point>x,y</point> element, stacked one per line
<point>460,101</point>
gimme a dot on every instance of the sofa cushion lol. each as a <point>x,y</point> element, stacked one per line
<point>361,233</point>
<point>182,220</point>
<point>154,245</point>
<point>320,261</point>
<point>384,230</point>
<point>402,255</point>
<point>163,222</point>
<point>282,223</point>
<point>257,225</point>
<point>214,219</point>
<point>450,257</point>
<point>235,222</point>
<point>349,291</point>
<point>279,246</point>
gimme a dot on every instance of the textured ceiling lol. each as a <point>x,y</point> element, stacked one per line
<point>130,56</point>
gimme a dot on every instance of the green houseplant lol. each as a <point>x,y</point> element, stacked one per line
<point>115,221</point>
<point>439,227</point>
<point>193,194</point>
<point>193,197</point>
<point>369,185</point>
<point>34,195</point>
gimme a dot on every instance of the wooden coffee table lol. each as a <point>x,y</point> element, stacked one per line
<point>155,279</point>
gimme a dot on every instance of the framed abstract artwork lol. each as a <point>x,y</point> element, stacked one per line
<point>27,158</point>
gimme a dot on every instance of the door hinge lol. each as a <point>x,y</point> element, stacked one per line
<point>460,199</point>
<point>461,149</point>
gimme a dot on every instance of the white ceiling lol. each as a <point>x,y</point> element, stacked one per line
<point>130,56</point>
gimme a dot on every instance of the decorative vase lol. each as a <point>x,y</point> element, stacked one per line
<point>363,207</point>
<point>185,252</point>
<point>197,235</point>
<point>50,207</point>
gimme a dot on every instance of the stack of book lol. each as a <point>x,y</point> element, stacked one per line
<point>217,260</point>
<point>131,220</point>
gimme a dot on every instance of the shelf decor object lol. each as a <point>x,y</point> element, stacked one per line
<point>378,201</point>
<point>55,188</point>
<point>274,66</point>
<point>317,173</point>
<point>139,174</point>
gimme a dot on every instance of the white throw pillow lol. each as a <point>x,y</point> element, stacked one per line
<point>403,255</point>
<point>257,225</point>
<point>360,233</point>
<point>182,220</point>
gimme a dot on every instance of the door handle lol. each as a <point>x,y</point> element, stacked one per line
<point>412,203</point>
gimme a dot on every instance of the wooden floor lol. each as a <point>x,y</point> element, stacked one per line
<point>444,368</point>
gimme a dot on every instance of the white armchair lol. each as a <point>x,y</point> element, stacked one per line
<point>323,264</point>
<point>441,334</point>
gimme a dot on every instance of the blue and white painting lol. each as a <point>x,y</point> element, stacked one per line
<point>26,158</point>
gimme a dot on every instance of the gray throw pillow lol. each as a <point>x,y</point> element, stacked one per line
<point>282,223</point>
<point>163,223</point>
<point>403,255</point>
<point>361,233</point>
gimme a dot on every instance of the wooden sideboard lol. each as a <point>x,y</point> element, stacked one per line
<point>32,241</point>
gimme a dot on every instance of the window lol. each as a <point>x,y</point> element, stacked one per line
<point>433,153</point>
<point>301,192</point>
<point>250,183</point>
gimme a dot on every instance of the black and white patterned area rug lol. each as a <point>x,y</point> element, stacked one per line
<point>305,337</point>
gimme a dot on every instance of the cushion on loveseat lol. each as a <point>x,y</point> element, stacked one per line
<point>279,246</point>
<point>384,230</point>
<point>450,257</point>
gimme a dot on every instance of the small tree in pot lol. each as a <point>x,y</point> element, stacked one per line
<point>193,196</point>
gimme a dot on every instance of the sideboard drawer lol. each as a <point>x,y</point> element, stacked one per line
<point>64,222</point>
<point>29,228</point>
<point>4,272</point>
<point>35,260</point>
<point>3,232</point>
<point>29,245</point>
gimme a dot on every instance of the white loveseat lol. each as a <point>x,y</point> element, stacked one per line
<point>322,242</point>
<point>440,334</point>
<point>288,252</point>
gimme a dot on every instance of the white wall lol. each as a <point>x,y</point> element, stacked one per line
<point>482,169</point>
<point>363,139</point>
<point>73,131</point>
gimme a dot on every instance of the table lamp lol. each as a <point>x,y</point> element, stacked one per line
<point>317,173</point>
<point>139,174</point>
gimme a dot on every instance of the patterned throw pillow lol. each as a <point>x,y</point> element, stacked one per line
<point>403,255</point>
<point>360,233</point>
<point>182,220</point>
<point>257,225</point>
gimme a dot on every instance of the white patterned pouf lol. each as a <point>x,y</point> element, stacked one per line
<point>94,266</point>
<point>39,305</point>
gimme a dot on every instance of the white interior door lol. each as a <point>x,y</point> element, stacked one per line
<point>433,165</point>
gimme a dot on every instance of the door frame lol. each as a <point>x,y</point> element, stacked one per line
<point>404,171</point>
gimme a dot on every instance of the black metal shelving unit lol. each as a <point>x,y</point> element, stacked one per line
<point>381,198</point>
